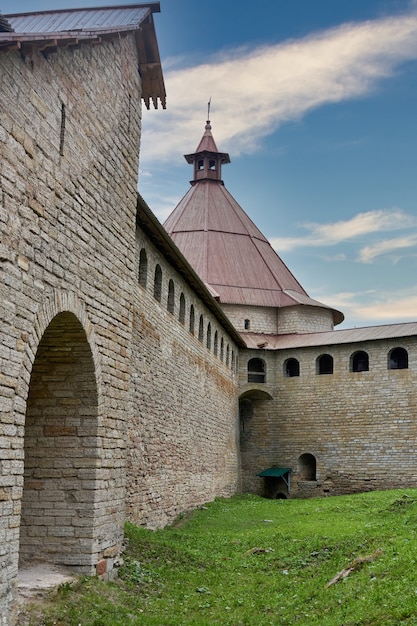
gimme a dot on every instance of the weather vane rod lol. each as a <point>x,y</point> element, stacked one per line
<point>208,108</point>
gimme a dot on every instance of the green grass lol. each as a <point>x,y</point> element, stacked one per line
<point>248,561</point>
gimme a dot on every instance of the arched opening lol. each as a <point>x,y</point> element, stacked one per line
<point>143,268</point>
<point>256,371</point>
<point>192,320</point>
<point>222,349</point>
<point>61,450</point>
<point>201,329</point>
<point>181,316</point>
<point>324,364</point>
<point>306,466</point>
<point>291,368</point>
<point>227,355</point>
<point>171,297</point>
<point>157,283</point>
<point>216,344</point>
<point>208,337</point>
<point>359,362</point>
<point>398,359</point>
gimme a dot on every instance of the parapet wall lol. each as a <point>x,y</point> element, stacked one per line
<point>183,439</point>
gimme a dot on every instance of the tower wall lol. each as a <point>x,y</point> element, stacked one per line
<point>279,321</point>
<point>360,427</point>
<point>69,159</point>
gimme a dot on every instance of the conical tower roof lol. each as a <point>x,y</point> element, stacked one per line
<point>224,246</point>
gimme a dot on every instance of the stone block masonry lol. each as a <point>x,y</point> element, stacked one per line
<point>357,428</point>
<point>69,146</point>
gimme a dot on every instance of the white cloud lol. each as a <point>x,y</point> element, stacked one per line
<point>346,230</point>
<point>392,309</point>
<point>386,247</point>
<point>254,91</point>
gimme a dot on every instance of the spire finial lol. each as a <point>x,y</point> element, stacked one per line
<point>208,126</point>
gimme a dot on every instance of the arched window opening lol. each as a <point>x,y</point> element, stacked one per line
<point>200,164</point>
<point>171,297</point>
<point>247,324</point>
<point>324,364</point>
<point>256,371</point>
<point>143,268</point>
<point>192,320</point>
<point>201,329</point>
<point>157,283</point>
<point>212,164</point>
<point>307,466</point>
<point>227,355</point>
<point>222,349</point>
<point>232,363</point>
<point>398,359</point>
<point>216,344</point>
<point>181,316</point>
<point>291,368</point>
<point>208,340</point>
<point>359,362</point>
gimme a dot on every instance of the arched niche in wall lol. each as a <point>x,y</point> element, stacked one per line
<point>307,467</point>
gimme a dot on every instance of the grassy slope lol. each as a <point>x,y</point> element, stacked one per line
<point>248,561</point>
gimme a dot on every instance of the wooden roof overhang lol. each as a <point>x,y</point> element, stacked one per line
<point>147,221</point>
<point>150,69</point>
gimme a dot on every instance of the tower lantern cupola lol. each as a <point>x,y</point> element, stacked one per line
<point>207,160</point>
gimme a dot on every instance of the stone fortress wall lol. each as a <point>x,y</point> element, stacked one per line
<point>340,432</point>
<point>109,406</point>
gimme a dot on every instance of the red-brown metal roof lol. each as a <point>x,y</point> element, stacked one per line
<point>227,249</point>
<point>331,337</point>
<point>49,30</point>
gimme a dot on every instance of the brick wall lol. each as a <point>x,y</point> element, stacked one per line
<point>182,448</point>
<point>69,141</point>
<point>360,427</point>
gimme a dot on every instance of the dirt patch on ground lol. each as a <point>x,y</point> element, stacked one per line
<point>35,581</point>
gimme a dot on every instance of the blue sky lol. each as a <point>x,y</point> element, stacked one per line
<point>316,104</point>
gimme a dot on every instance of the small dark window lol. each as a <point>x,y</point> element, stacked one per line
<point>192,320</point>
<point>359,362</point>
<point>232,363</point>
<point>212,164</point>
<point>256,371</point>
<point>181,315</point>
<point>201,330</point>
<point>247,324</point>
<point>200,165</point>
<point>62,130</point>
<point>157,284</point>
<point>222,350</point>
<point>143,268</point>
<point>291,368</point>
<point>398,359</point>
<point>325,364</point>
<point>216,343</point>
<point>208,341</point>
<point>227,355</point>
<point>171,297</point>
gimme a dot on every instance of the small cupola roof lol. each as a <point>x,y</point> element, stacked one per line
<point>207,160</point>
